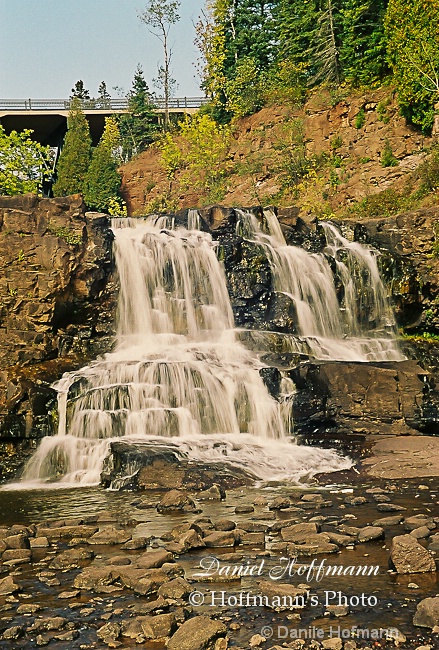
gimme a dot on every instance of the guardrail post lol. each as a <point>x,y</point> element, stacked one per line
<point>30,104</point>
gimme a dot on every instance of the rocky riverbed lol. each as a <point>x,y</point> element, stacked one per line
<point>327,566</point>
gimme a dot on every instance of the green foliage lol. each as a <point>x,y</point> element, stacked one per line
<point>244,92</point>
<point>428,172</point>
<point>362,42</point>
<point>237,40</point>
<point>383,204</point>
<point>70,236</point>
<point>79,91</point>
<point>360,119</point>
<point>138,127</point>
<point>387,157</point>
<point>336,142</point>
<point>102,181</point>
<point>200,151</point>
<point>294,163</point>
<point>412,29</point>
<point>382,112</point>
<point>23,163</point>
<point>75,155</point>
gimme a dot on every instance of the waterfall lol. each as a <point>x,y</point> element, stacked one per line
<point>179,372</point>
<point>358,327</point>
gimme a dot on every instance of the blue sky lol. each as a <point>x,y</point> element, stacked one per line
<point>47,45</point>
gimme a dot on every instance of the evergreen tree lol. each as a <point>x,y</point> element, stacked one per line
<point>236,38</point>
<point>75,155</point>
<point>363,48</point>
<point>79,91</point>
<point>139,126</point>
<point>102,181</point>
<point>104,97</point>
<point>412,30</point>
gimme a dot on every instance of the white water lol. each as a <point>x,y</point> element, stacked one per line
<point>362,328</point>
<point>178,371</point>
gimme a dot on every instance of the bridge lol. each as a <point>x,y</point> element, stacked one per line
<point>48,117</point>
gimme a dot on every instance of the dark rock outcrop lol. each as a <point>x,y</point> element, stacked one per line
<point>57,307</point>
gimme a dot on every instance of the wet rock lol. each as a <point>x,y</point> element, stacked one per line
<point>280,503</point>
<point>370,533</point>
<point>242,510</point>
<point>417,521</point>
<point>332,644</point>
<point>175,589</point>
<point>71,559</point>
<point>427,613</point>
<point>421,533</point>
<point>197,633</point>
<point>257,640</point>
<point>214,493</point>
<point>388,521</point>
<point>109,633</point>
<point>282,597</point>
<point>136,544</point>
<point>109,535</point>
<point>159,626</point>
<point>355,501</point>
<point>225,525</point>
<point>65,595</point>
<point>154,559</point>
<point>316,545</point>
<point>252,538</point>
<point>338,610</point>
<point>119,560</point>
<point>298,532</point>
<point>17,541</point>
<point>16,556</point>
<point>220,539</point>
<point>13,633</point>
<point>408,556</point>
<point>39,542</point>
<point>47,624</point>
<point>8,586</point>
<point>390,507</point>
<point>176,500</point>
<point>190,539</point>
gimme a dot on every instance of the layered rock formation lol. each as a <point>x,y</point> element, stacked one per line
<point>57,307</point>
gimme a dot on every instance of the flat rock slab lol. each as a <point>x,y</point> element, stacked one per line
<point>411,457</point>
<point>197,634</point>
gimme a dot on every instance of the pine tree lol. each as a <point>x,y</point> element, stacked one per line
<point>80,91</point>
<point>412,31</point>
<point>75,155</point>
<point>363,47</point>
<point>104,97</point>
<point>102,181</point>
<point>139,126</point>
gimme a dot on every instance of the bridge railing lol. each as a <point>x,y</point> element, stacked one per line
<point>120,104</point>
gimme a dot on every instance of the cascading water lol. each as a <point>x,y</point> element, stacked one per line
<point>356,326</point>
<point>178,371</point>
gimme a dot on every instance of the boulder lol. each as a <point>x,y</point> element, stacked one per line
<point>176,500</point>
<point>408,556</point>
<point>427,613</point>
<point>198,633</point>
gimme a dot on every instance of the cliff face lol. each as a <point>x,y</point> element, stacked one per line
<point>58,302</point>
<point>345,138</point>
<point>57,305</point>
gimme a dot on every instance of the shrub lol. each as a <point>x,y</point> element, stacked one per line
<point>360,119</point>
<point>387,157</point>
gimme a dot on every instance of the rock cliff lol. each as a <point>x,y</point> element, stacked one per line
<point>57,307</point>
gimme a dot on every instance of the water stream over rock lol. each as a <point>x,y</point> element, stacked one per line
<point>178,370</point>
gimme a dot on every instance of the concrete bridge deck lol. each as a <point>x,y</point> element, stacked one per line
<point>48,117</point>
